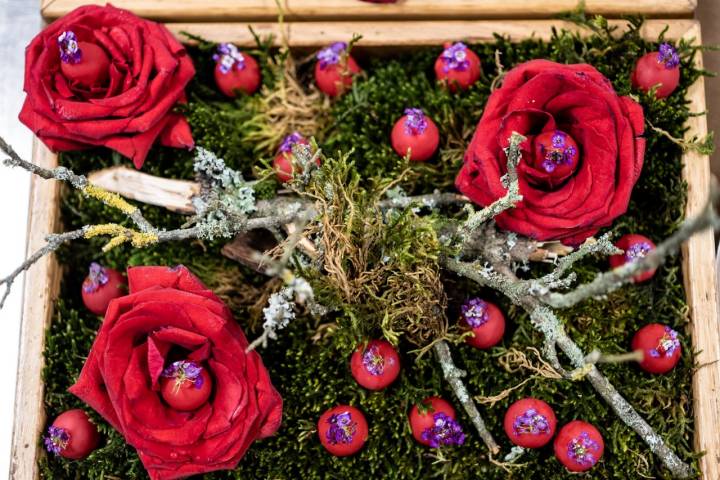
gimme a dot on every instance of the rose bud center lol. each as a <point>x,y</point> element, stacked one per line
<point>84,64</point>
<point>185,385</point>
<point>555,158</point>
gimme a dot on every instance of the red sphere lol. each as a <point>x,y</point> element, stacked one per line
<point>283,161</point>
<point>556,158</point>
<point>660,346</point>
<point>335,79</point>
<point>654,69</point>
<point>422,421</point>
<point>458,67</point>
<point>245,79</point>
<point>635,247</point>
<point>72,435</point>
<point>579,446</point>
<point>530,423</point>
<point>93,68</point>
<point>417,133</point>
<point>485,320</point>
<point>375,365</point>
<point>343,430</point>
<point>186,394</point>
<point>100,286</point>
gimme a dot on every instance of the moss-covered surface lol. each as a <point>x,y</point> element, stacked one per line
<point>313,375</point>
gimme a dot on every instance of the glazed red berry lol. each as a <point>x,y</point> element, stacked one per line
<point>530,423</point>
<point>416,133</point>
<point>185,385</point>
<point>235,71</point>
<point>335,69</point>
<point>556,157</point>
<point>100,286</point>
<point>283,162</point>
<point>375,365</point>
<point>660,346</point>
<point>72,435</point>
<point>83,63</point>
<point>435,425</point>
<point>457,67</point>
<point>343,430</point>
<point>661,69</point>
<point>485,320</point>
<point>635,247</point>
<point>579,446</point>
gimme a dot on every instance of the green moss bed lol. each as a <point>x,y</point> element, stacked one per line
<point>313,374</point>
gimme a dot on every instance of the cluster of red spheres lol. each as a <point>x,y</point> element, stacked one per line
<point>531,423</point>
<point>486,322</point>
<point>101,286</point>
<point>72,435</point>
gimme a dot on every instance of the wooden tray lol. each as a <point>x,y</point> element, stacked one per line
<point>43,279</point>
<point>302,10</point>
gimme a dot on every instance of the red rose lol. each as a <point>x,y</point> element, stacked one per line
<point>170,315</point>
<point>583,153</point>
<point>116,84</point>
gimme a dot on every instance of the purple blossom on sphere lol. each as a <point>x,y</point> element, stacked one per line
<point>332,54</point>
<point>415,121</point>
<point>69,49</point>
<point>184,371</point>
<point>667,345</point>
<point>229,57</point>
<point>373,361</point>
<point>637,251</point>
<point>342,428</point>
<point>580,450</point>
<point>97,277</point>
<point>668,55</point>
<point>445,431</point>
<point>559,153</point>
<point>531,422</point>
<point>475,312</point>
<point>455,57</point>
<point>289,142</point>
<point>56,440</point>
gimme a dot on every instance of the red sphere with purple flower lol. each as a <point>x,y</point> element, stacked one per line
<point>100,286</point>
<point>579,446</point>
<point>660,346</point>
<point>434,424</point>
<point>659,69</point>
<point>343,430</point>
<point>416,135</point>
<point>635,247</point>
<point>72,435</point>
<point>530,423</point>
<point>375,365</point>
<point>335,69</point>
<point>458,67</point>
<point>485,320</point>
<point>185,385</point>
<point>235,71</point>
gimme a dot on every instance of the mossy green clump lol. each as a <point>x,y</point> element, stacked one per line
<point>309,363</point>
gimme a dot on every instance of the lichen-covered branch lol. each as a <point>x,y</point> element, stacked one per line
<point>430,200</point>
<point>454,375</point>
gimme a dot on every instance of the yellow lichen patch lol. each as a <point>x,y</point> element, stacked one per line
<point>121,235</point>
<point>108,198</point>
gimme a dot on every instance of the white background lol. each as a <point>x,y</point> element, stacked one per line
<point>19,20</point>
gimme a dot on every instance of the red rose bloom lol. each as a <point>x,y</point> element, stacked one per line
<point>582,157</point>
<point>101,76</point>
<point>170,315</point>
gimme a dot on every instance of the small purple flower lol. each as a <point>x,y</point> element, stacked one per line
<point>97,277</point>
<point>668,55</point>
<point>667,345</point>
<point>580,448</point>
<point>184,371</point>
<point>289,142</point>
<point>560,153</point>
<point>445,431</point>
<point>332,54</point>
<point>56,440</point>
<point>475,312</point>
<point>342,428</point>
<point>455,57</point>
<point>531,422</point>
<point>373,361</point>
<point>415,121</point>
<point>637,251</point>
<point>69,50</point>
<point>229,57</point>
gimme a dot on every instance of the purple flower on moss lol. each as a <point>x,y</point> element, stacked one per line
<point>97,277</point>
<point>455,58</point>
<point>580,450</point>
<point>332,54</point>
<point>229,57</point>
<point>475,312</point>
<point>415,121</point>
<point>667,345</point>
<point>531,422</point>
<point>373,361</point>
<point>184,371</point>
<point>342,428</point>
<point>289,142</point>
<point>56,439</point>
<point>69,49</point>
<point>668,55</point>
<point>444,432</point>
<point>637,251</point>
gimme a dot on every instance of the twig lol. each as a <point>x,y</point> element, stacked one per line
<point>454,375</point>
<point>431,200</point>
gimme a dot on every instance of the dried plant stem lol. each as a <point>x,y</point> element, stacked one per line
<point>454,375</point>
